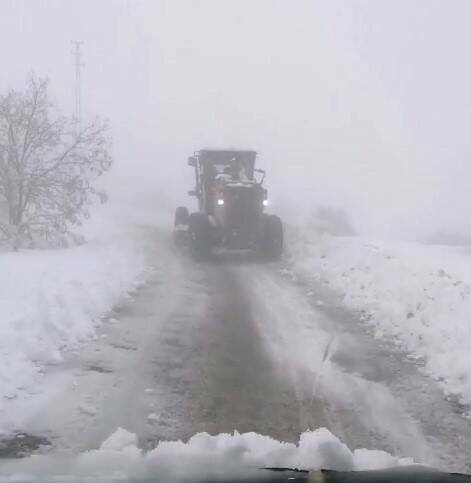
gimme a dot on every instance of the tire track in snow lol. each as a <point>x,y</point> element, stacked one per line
<point>308,346</point>
<point>239,386</point>
<point>374,396</point>
<point>110,382</point>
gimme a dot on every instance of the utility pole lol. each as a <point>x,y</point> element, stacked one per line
<point>77,53</point>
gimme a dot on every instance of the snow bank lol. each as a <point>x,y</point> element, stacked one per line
<point>52,300</point>
<point>202,457</point>
<point>419,295</point>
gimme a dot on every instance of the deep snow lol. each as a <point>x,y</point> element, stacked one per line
<point>53,300</point>
<point>417,295</point>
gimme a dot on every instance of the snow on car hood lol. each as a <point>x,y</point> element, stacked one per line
<point>202,456</point>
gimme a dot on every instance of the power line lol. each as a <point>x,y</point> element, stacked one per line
<point>77,53</point>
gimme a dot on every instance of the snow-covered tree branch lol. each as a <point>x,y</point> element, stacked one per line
<point>47,168</point>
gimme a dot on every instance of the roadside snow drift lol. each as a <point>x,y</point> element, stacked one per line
<point>201,458</point>
<point>52,300</point>
<point>418,295</point>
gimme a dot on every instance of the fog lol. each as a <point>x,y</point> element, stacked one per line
<point>362,105</point>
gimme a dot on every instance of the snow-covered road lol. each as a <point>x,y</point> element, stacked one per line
<point>234,345</point>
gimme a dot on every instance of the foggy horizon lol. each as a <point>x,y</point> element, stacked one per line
<point>357,105</point>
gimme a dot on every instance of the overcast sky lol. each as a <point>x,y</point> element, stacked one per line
<point>363,104</point>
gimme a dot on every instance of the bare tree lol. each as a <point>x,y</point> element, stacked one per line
<point>47,167</point>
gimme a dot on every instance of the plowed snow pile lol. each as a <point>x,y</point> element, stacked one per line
<point>202,457</point>
<point>52,300</point>
<point>418,295</point>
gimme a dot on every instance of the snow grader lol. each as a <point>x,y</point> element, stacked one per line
<point>231,207</point>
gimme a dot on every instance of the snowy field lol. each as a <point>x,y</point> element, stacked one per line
<point>53,300</point>
<point>419,296</point>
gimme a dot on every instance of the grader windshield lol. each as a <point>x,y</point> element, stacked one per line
<point>231,163</point>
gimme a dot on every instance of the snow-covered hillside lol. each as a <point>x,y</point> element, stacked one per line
<point>418,295</point>
<point>52,300</point>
